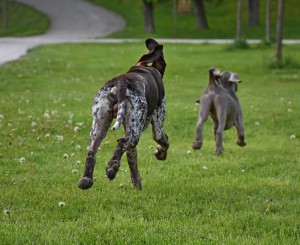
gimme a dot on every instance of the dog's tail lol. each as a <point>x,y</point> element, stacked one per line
<point>121,94</point>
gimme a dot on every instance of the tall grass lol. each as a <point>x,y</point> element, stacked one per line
<point>248,195</point>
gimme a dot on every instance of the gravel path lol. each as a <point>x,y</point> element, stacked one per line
<point>71,21</point>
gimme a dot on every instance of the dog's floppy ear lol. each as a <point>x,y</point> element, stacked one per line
<point>151,44</point>
<point>155,56</point>
<point>152,56</point>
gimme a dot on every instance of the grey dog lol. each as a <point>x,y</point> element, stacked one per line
<point>219,100</point>
<point>135,99</point>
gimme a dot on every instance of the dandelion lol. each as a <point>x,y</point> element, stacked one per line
<point>150,147</point>
<point>59,137</point>
<point>77,147</point>
<point>30,117</point>
<point>66,155</point>
<point>243,170</point>
<point>33,124</point>
<point>20,111</point>
<point>188,152</point>
<point>205,168</point>
<point>1,117</point>
<point>61,204</point>
<point>74,171</point>
<point>47,135</point>
<point>46,115</point>
<point>122,185</point>
<point>22,160</point>
<point>257,123</point>
<point>6,212</point>
<point>72,155</point>
<point>292,137</point>
<point>78,162</point>
<point>76,129</point>
<point>289,110</point>
<point>79,124</point>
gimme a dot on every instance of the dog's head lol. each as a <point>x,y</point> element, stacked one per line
<point>230,80</point>
<point>155,56</point>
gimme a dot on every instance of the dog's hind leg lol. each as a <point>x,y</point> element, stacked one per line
<point>136,180</point>
<point>158,132</point>
<point>240,132</point>
<point>102,118</point>
<point>203,115</point>
<point>134,122</point>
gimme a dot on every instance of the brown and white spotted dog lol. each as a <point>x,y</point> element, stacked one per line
<point>135,99</point>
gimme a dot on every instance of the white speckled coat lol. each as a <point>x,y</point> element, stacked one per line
<point>135,99</point>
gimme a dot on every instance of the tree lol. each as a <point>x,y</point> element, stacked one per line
<point>148,16</point>
<point>268,21</point>
<point>253,13</point>
<point>5,15</point>
<point>239,21</point>
<point>200,14</point>
<point>279,27</point>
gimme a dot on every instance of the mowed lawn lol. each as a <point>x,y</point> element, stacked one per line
<point>248,195</point>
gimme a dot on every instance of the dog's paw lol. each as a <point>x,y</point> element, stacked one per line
<point>112,169</point>
<point>85,183</point>
<point>197,145</point>
<point>160,154</point>
<point>219,151</point>
<point>241,143</point>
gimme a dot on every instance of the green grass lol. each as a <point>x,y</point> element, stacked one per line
<point>221,18</point>
<point>23,21</point>
<point>248,195</point>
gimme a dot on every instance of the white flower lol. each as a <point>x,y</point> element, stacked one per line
<point>189,152</point>
<point>46,115</point>
<point>72,155</point>
<point>243,170</point>
<point>292,137</point>
<point>289,110</point>
<point>66,155</point>
<point>80,124</point>
<point>257,123</point>
<point>6,212</point>
<point>47,135</point>
<point>76,129</point>
<point>22,160</point>
<point>78,162</point>
<point>59,137</point>
<point>61,204</point>
<point>74,171</point>
<point>77,147</point>
<point>150,147</point>
<point>1,117</point>
<point>204,168</point>
<point>30,117</point>
<point>33,124</point>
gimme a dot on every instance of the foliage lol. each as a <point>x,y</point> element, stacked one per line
<point>23,21</point>
<point>248,195</point>
<point>221,16</point>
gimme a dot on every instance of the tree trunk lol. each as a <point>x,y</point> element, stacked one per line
<point>280,14</point>
<point>268,21</point>
<point>200,14</point>
<point>148,16</point>
<point>253,13</point>
<point>5,15</point>
<point>239,21</point>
